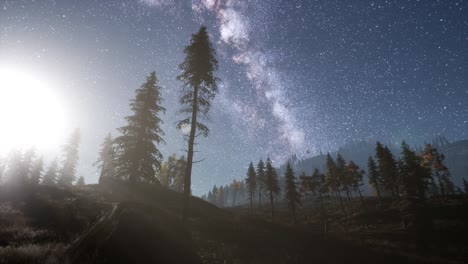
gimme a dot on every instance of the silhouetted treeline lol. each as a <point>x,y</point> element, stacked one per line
<point>359,151</point>
<point>28,168</point>
<point>408,180</point>
<point>232,194</point>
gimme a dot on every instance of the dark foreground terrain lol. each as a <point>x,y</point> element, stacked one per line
<point>118,224</point>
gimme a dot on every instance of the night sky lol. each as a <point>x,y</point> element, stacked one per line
<point>297,76</point>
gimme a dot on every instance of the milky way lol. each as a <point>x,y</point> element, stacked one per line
<point>297,76</point>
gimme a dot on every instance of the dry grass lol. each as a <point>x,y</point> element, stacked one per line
<point>10,215</point>
<point>33,253</point>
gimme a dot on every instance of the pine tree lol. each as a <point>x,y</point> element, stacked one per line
<point>319,182</point>
<point>308,188</point>
<point>415,177</point>
<point>235,187</point>
<point>14,173</point>
<point>67,174</point>
<point>171,174</point>
<point>226,196</point>
<point>106,160</point>
<point>291,195</point>
<point>251,182</point>
<point>200,87</point>
<point>374,177</point>
<point>415,184</point>
<point>137,157</point>
<point>36,171</point>
<point>260,181</point>
<point>81,181</point>
<point>27,163</point>
<point>220,196</point>
<point>307,185</point>
<point>388,169</point>
<point>342,177</point>
<point>434,162</point>
<point>356,175</point>
<point>3,164</point>
<point>210,197</point>
<point>332,178</point>
<point>319,179</point>
<point>271,185</point>
<point>214,195</point>
<point>50,177</point>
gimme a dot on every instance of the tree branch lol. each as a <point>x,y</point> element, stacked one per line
<point>198,161</point>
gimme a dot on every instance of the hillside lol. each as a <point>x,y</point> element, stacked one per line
<point>96,224</point>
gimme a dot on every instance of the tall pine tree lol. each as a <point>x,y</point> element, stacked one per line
<point>271,185</point>
<point>307,185</point>
<point>355,174</point>
<point>388,170</point>
<point>200,88</point>
<point>106,160</point>
<point>434,162</point>
<point>27,164</point>
<point>3,164</point>
<point>14,173</point>
<point>415,183</point>
<point>235,187</point>
<point>260,181</point>
<point>251,182</point>
<point>70,150</point>
<point>332,178</point>
<point>36,171</point>
<point>291,195</point>
<point>414,176</point>
<point>50,177</point>
<point>374,177</point>
<point>137,157</point>
<point>343,180</point>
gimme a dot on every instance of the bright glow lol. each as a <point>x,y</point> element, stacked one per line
<point>30,112</point>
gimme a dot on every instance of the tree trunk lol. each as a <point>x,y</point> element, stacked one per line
<point>260,199</point>
<point>234,199</point>
<point>272,207</point>
<point>441,188</point>
<point>188,169</point>
<point>341,203</point>
<point>294,215</point>
<point>323,216</point>
<point>360,196</point>
<point>378,193</point>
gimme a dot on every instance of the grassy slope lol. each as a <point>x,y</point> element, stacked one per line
<point>38,225</point>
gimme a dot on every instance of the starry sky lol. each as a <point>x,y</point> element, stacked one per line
<point>297,76</point>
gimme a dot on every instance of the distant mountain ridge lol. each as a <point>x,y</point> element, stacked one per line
<point>456,157</point>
